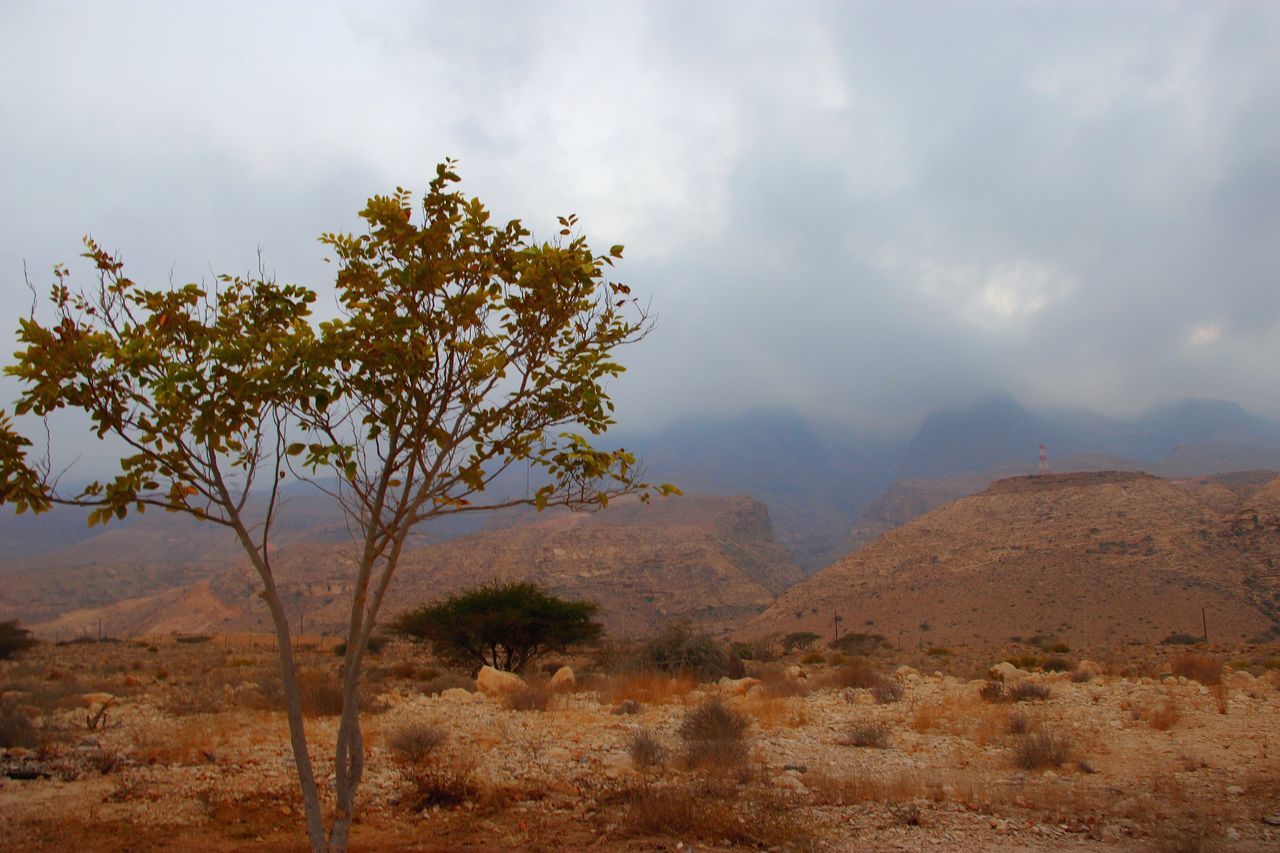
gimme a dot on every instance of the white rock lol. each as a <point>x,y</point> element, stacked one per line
<point>1005,671</point>
<point>495,682</point>
<point>563,679</point>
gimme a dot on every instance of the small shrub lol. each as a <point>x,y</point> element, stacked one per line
<point>866,734</point>
<point>905,813</point>
<point>715,812</point>
<point>858,644</point>
<point>937,651</point>
<point>14,639</point>
<point>1180,639</point>
<point>1025,661</point>
<point>1162,716</point>
<point>1219,692</point>
<point>679,650</point>
<point>1060,648</point>
<point>993,691</point>
<point>859,673</point>
<point>193,639</point>
<point>444,785</point>
<point>16,729</point>
<point>799,641</point>
<point>762,650</point>
<point>414,742</point>
<point>1028,691</point>
<point>1041,750</point>
<point>813,658</point>
<point>646,750</point>
<point>1018,723</point>
<point>1056,665</point>
<point>375,647</point>
<point>1080,676</point>
<point>534,696</point>
<point>1202,668</point>
<point>886,691</point>
<point>714,736</point>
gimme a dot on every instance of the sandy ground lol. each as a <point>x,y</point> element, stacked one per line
<point>190,757</point>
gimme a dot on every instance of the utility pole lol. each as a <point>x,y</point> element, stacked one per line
<point>1204,622</point>
<point>836,620</point>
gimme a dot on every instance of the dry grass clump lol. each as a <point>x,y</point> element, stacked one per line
<point>779,684</point>
<point>1161,715</point>
<point>1017,723</point>
<point>415,741</point>
<point>1220,695</point>
<point>873,735</point>
<point>533,696</point>
<point>716,812</point>
<point>1205,669</point>
<point>1028,691</point>
<point>857,672</point>
<point>645,749</point>
<point>647,687</point>
<point>1020,691</point>
<point>16,728</point>
<point>1040,750</point>
<point>886,691</point>
<point>446,785</point>
<point>714,736</point>
<point>771,713</point>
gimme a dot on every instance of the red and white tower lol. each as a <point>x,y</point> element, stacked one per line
<point>1044,461</point>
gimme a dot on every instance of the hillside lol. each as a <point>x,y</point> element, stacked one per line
<point>709,561</point>
<point>1105,557</point>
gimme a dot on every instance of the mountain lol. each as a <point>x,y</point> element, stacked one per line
<point>710,561</point>
<point>998,430</point>
<point>1091,558</point>
<point>815,478</point>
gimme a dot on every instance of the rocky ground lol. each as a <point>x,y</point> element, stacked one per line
<point>901,751</point>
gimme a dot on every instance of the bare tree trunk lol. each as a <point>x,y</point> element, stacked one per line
<point>292,695</point>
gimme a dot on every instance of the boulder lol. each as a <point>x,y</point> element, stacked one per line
<point>1089,668</point>
<point>1005,671</point>
<point>495,682</point>
<point>905,672</point>
<point>563,679</point>
<point>738,686</point>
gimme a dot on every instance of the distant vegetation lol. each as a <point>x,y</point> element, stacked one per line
<point>506,626</point>
<point>14,639</point>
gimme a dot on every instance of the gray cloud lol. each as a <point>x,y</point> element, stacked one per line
<point>864,210</point>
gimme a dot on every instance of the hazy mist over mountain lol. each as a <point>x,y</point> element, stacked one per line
<point>861,213</point>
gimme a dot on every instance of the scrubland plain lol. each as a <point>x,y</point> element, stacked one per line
<point>171,745</point>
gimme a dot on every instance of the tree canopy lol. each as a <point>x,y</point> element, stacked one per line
<point>507,626</point>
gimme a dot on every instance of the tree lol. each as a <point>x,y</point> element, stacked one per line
<point>14,639</point>
<point>463,348</point>
<point>507,626</point>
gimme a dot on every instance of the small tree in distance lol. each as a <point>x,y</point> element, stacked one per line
<point>506,626</point>
<point>14,639</point>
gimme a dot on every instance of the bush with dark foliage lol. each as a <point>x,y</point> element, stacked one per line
<point>679,650</point>
<point>506,626</point>
<point>14,639</point>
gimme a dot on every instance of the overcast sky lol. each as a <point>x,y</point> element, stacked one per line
<point>865,211</point>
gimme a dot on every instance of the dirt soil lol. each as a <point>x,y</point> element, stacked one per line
<point>190,755</point>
